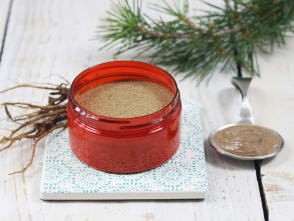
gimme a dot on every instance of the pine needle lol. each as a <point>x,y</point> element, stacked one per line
<point>230,35</point>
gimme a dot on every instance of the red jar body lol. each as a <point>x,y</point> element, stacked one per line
<point>124,145</point>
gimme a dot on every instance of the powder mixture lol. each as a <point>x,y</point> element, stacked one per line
<point>125,99</point>
<point>247,140</point>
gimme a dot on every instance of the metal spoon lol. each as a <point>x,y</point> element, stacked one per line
<point>246,118</point>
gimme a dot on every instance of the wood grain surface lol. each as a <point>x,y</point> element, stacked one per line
<point>54,37</point>
<point>4,9</point>
<point>272,98</point>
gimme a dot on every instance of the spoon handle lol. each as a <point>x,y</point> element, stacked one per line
<point>242,85</point>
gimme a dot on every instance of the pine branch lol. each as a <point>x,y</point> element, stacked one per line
<point>224,36</point>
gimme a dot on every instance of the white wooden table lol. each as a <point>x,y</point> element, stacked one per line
<point>40,39</point>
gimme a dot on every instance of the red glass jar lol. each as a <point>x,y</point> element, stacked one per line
<point>124,145</point>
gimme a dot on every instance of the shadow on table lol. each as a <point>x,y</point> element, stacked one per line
<point>229,104</point>
<point>171,201</point>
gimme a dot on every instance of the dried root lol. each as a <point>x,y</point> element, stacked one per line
<point>40,121</point>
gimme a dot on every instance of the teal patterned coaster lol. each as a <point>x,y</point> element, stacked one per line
<point>182,177</point>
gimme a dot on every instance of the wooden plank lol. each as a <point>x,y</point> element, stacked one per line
<point>53,37</point>
<point>3,18</point>
<point>272,98</point>
<point>232,183</point>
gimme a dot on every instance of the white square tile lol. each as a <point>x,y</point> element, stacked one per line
<point>182,177</point>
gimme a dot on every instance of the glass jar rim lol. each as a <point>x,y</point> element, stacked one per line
<point>143,118</point>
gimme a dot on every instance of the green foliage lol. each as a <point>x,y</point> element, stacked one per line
<point>228,35</point>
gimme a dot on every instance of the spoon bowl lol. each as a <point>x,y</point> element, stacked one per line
<point>235,156</point>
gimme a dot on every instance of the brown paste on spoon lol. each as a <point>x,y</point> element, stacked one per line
<point>247,140</point>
